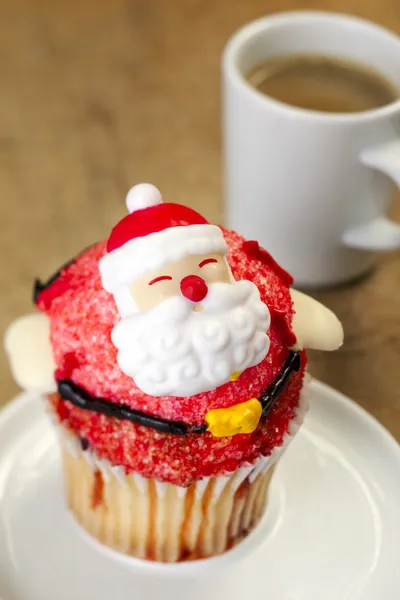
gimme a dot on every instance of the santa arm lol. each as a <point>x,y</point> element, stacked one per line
<point>27,344</point>
<point>314,325</point>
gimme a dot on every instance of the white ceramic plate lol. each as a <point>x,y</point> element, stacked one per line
<point>331,532</point>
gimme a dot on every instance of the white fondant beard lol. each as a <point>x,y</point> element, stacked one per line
<point>172,350</point>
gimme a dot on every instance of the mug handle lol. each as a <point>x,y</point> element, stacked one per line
<point>380,233</point>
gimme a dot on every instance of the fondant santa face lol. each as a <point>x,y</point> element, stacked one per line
<point>187,326</point>
<point>190,277</point>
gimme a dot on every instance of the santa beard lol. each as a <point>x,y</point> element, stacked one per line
<point>172,350</point>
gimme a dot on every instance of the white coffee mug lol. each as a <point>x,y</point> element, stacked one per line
<point>313,188</point>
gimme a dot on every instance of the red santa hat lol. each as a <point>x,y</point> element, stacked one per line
<point>153,234</point>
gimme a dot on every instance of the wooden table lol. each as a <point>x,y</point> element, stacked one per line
<point>98,95</point>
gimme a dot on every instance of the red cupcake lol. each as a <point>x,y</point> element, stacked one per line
<point>173,359</point>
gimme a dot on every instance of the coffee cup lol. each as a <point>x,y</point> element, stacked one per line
<point>314,188</point>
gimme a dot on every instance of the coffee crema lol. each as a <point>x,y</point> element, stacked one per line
<point>323,83</point>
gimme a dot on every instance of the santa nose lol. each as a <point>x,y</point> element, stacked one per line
<point>194,288</point>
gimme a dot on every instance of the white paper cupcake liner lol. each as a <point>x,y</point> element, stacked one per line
<point>161,521</point>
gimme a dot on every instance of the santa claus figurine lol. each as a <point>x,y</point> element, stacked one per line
<point>173,358</point>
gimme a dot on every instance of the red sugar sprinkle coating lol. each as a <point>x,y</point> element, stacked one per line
<point>82,319</point>
<point>253,249</point>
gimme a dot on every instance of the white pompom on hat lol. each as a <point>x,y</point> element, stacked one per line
<point>142,196</point>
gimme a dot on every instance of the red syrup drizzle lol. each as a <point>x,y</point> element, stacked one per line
<point>253,250</point>
<point>55,289</point>
<point>58,284</point>
<point>279,317</point>
<point>70,362</point>
<point>98,489</point>
<point>62,410</point>
<point>279,320</point>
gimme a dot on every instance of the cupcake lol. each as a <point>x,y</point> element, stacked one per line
<point>172,357</point>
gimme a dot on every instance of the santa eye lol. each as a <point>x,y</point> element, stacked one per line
<point>162,278</point>
<point>207,261</point>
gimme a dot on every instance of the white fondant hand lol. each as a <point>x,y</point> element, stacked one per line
<point>27,344</point>
<point>314,325</point>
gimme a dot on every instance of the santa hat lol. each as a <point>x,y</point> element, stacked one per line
<point>153,234</point>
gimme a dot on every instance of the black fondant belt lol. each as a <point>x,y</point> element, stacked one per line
<point>220,422</point>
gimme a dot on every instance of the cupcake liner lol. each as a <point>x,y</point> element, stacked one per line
<point>159,521</point>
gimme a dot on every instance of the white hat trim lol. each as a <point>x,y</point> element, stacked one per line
<point>148,253</point>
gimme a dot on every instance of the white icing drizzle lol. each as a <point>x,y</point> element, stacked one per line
<point>260,464</point>
<point>104,467</point>
<point>219,486</point>
<point>201,487</point>
<point>119,474</point>
<point>91,460</point>
<point>140,482</point>
<point>181,491</point>
<point>241,475</point>
<point>161,488</point>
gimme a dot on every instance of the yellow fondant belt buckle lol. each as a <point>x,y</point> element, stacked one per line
<point>235,375</point>
<point>241,418</point>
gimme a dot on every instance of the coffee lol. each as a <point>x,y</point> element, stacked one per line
<point>323,83</point>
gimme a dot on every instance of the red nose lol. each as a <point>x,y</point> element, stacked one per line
<point>194,288</point>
